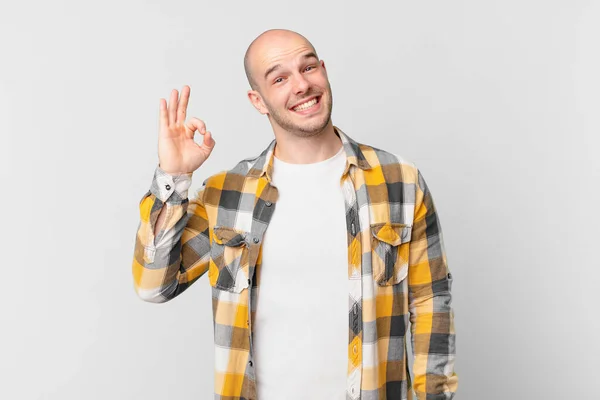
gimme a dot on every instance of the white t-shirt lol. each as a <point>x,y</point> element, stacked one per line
<point>304,282</point>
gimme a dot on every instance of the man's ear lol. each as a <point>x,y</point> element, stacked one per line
<point>324,68</point>
<point>256,100</point>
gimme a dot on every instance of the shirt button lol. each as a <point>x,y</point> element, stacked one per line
<point>255,240</point>
<point>355,349</point>
<point>268,204</point>
<point>250,362</point>
<point>168,187</point>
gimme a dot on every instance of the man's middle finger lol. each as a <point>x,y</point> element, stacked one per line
<point>183,102</point>
<point>173,107</point>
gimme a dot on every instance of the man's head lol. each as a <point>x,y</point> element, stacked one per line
<point>284,71</point>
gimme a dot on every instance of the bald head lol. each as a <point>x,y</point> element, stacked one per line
<point>260,46</point>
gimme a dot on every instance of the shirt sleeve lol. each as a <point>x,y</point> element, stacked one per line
<point>431,313</point>
<point>166,265</point>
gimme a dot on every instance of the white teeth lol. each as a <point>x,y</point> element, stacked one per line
<point>306,105</point>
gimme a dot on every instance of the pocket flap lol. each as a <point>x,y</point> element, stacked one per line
<point>228,268</point>
<point>390,252</point>
<point>229,236</point>
<point>392,233</point>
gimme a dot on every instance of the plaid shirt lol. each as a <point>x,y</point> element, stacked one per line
<point>397,269</point>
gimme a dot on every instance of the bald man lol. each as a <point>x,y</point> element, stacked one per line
<point>320,251</point>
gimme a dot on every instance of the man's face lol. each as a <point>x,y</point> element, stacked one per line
<point>293,88</point>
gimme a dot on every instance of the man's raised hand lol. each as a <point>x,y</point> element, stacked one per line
<point>177,151</point>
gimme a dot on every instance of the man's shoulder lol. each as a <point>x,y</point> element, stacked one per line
<point>388,160</point>
<point>239,171</point>
<point>386,157</point>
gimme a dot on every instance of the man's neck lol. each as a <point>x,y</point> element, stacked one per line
<point>295,149</point>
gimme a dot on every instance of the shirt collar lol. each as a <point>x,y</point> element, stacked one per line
<point>354,156</point>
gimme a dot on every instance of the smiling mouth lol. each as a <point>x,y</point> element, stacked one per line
<point>308,105</point>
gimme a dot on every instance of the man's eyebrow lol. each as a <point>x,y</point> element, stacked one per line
<point>277,66</point>
<point>309,55</point>
<point>272,69</point>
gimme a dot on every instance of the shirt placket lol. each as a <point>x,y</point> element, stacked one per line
<point>355,286</point>
<point>263,212</point>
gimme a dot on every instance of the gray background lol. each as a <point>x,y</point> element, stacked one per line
<point>496,102</point>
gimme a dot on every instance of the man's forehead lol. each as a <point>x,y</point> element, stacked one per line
<point>276,53</point>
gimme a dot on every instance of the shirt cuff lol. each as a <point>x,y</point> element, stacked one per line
<point>170,188</point>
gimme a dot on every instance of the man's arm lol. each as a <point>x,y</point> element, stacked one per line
<point>431,314</point>
<point>173,251</point>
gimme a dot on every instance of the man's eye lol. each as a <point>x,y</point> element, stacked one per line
<point>278,80</point>
<point>310,66</point>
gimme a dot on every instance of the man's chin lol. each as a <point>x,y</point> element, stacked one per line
<point>310,128</point>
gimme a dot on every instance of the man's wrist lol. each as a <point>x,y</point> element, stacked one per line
<point>174,174</point>
<point>170,188</point>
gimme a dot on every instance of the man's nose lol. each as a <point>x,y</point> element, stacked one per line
<point>301,85</point>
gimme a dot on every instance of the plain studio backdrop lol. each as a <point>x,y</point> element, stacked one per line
<point>496,102</point>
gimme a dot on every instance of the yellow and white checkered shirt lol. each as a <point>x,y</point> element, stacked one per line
<point>397,269</point>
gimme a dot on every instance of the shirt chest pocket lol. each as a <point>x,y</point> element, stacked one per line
<point>389,252</point>
<point>228,268</point>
